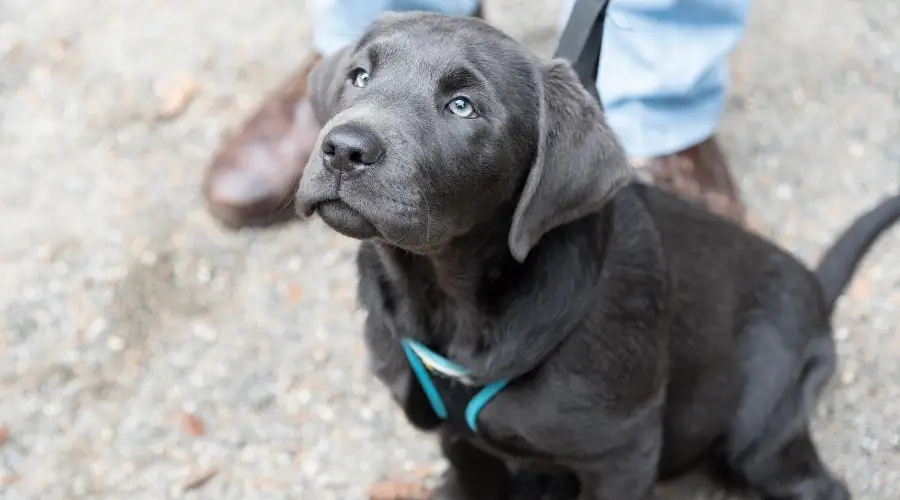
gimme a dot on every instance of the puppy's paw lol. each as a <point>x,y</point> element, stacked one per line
<point>534,486</point>
<point>824,488</point>
<point>452,489</point>
<point>834,490</point>
<point>525,486</point>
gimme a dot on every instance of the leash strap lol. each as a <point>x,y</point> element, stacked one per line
<point>581,39</point>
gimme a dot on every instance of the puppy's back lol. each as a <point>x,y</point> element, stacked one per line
<point>721,272</point>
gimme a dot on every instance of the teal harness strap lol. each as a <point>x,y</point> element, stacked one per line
<point>477,403</point>
<point>452,381</point>
<point>431,392</point>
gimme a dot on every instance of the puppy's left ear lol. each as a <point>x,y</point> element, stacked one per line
<point>579,164</point>
<point>327,81</point>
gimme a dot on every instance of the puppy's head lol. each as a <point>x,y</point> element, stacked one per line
<point>436,124</point>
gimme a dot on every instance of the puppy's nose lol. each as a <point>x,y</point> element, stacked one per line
<point>351,146</point>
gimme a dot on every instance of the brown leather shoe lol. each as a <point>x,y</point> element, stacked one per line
<point>251,179</point>
<point>698,173</point>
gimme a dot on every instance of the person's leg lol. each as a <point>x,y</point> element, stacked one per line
<point>339,22</point>
<point>251,178</point>
<point>662,79</point>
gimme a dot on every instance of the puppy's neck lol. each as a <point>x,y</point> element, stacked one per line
<point>460,269</point>
<point>473,302</point>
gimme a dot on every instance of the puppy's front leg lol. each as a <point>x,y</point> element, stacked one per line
<point>473,474</point>
<point>389,364</point>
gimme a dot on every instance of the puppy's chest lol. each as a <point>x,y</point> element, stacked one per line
<point>443,330</point>
<point>492,417</point>
<point>486,416</point>
<point>430,342</point>
<point>507,428</point>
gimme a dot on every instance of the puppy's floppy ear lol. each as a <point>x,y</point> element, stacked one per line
<point>327,81</point>
<point>579,164</point>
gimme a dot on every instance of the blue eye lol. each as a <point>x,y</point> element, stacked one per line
<point>360,78</point>
<point>462,108</point>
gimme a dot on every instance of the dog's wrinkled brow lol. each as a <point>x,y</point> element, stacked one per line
<point>373,54</point>
<point>457,79</point>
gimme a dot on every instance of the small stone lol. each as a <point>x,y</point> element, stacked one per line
<point>199,478</point>
<point>841,333</point>
<point>106,434</point>
<point>304,396</point>
<point>192,425</point>
<point>294,293</point>
<point>205,332</point>
<point>248,454</point>
<point>326,414</point>
<point>175,96</point>
<point>319,355</point>
<point>96,327</point>
<point>869,445</point>
<point>204,274</point>
<point>148,258</point>
<point>115,343</point>
<point>9,478</point>
<point>784,192</point>
<point>309,468</point>
<point>860,289</point>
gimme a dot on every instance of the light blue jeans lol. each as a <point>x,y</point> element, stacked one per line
<point>663,68</point>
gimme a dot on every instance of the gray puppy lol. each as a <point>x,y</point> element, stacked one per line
<point>551,318</point>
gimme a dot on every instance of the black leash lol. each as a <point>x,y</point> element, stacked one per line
<point>581,39</point>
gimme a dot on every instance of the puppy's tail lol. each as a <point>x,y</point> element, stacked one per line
<point>840,261</point>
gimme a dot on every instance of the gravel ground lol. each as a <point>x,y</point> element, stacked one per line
<point>145,350</point>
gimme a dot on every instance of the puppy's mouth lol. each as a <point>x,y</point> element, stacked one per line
<point>344,219</point>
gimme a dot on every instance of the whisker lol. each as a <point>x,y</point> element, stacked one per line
<point>285,202</point>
